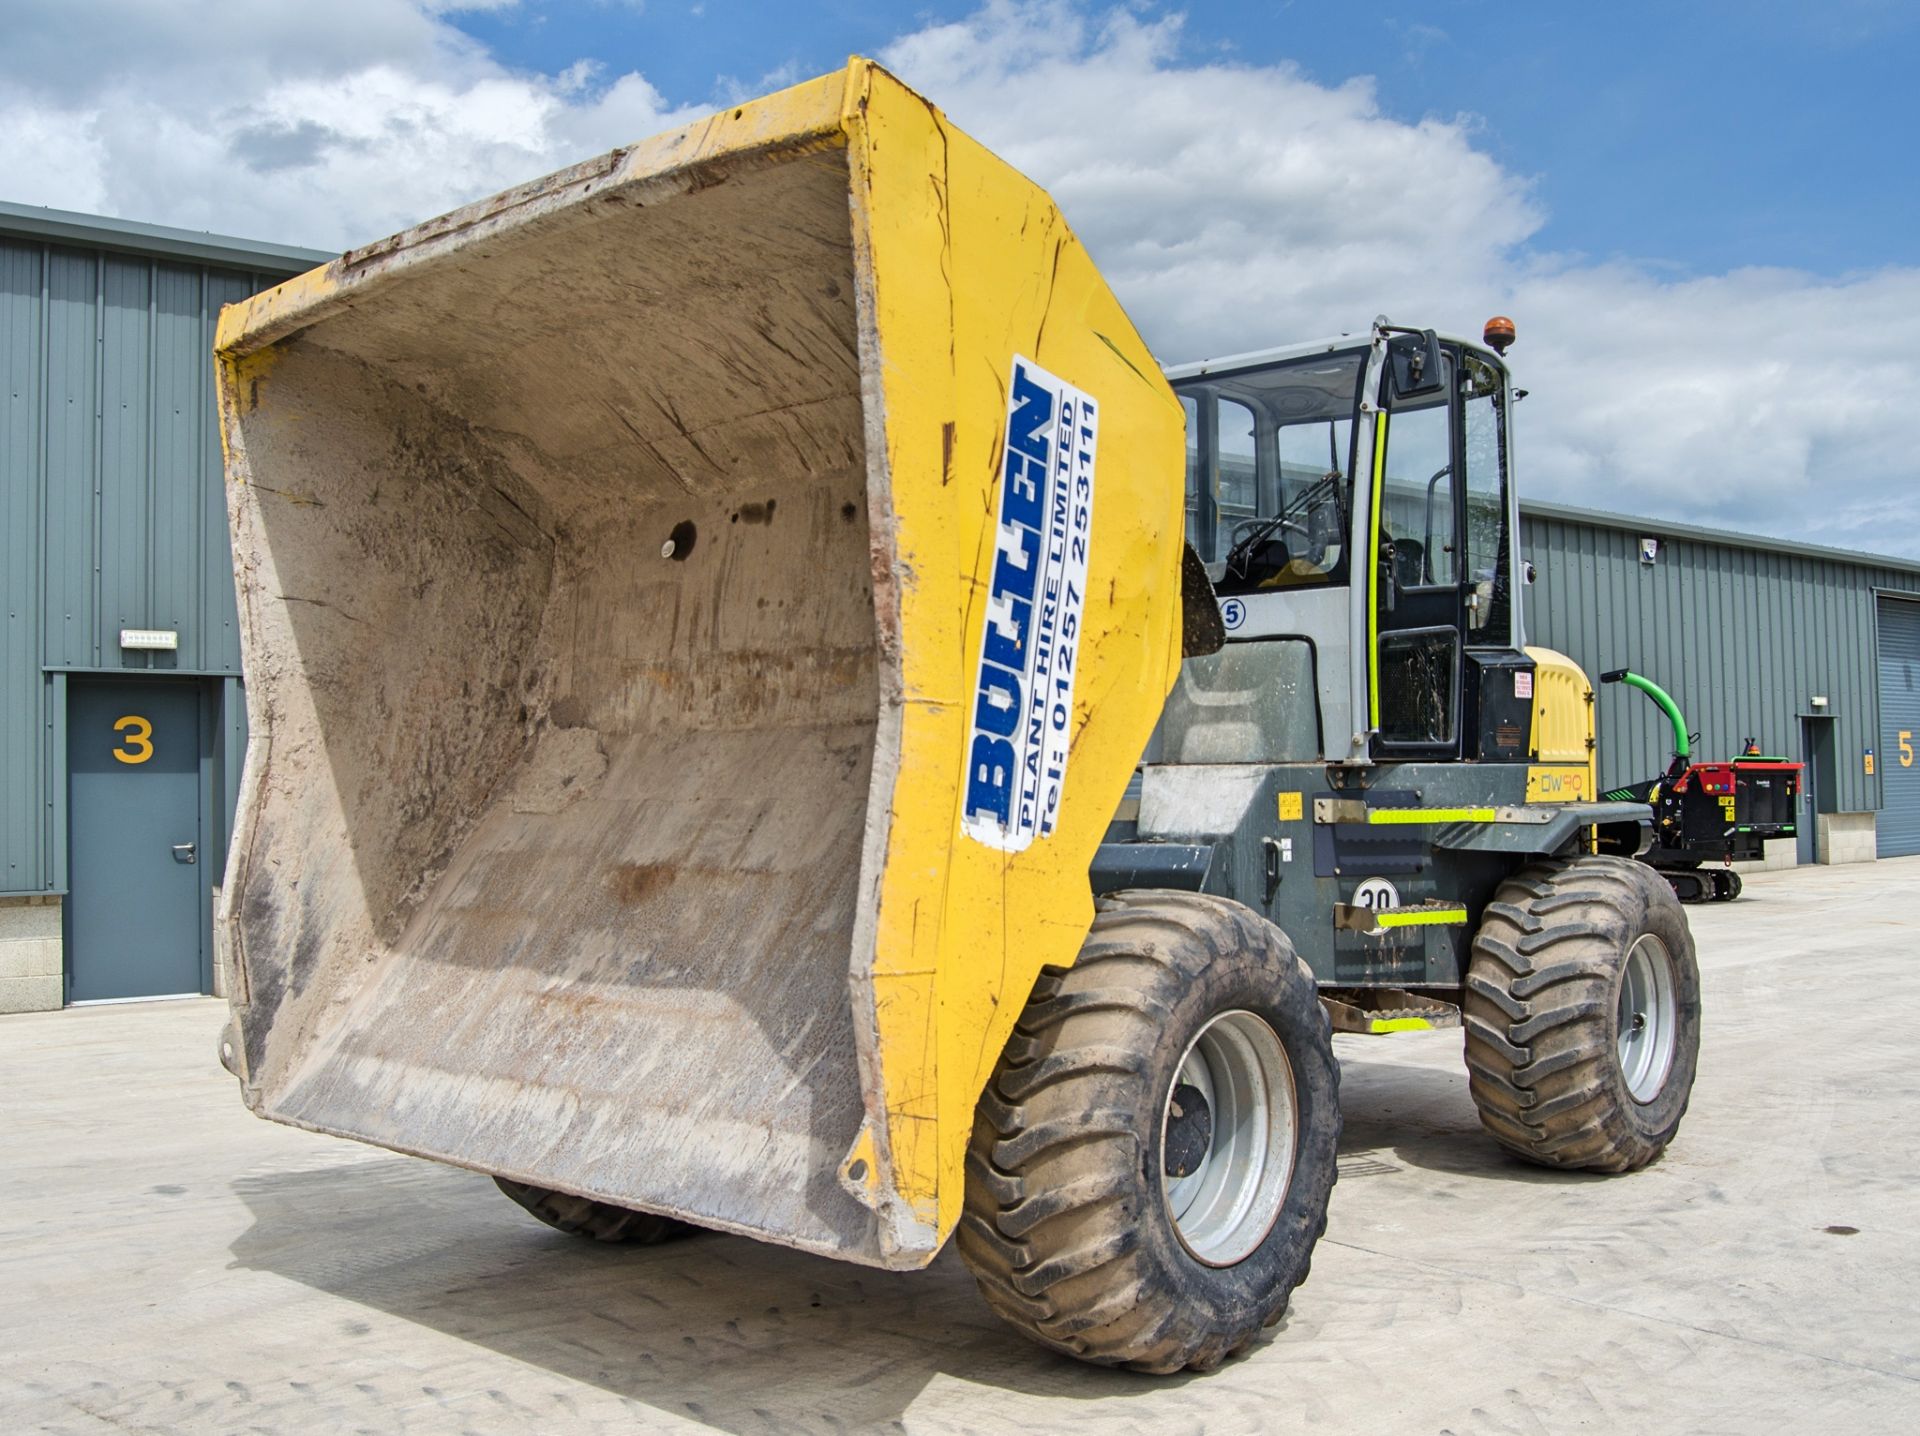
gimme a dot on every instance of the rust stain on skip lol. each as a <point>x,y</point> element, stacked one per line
<point>636,882</point>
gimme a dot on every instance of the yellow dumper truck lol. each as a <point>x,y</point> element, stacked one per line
<point>704,613</point>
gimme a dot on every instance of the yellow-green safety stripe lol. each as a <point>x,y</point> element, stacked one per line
<point>1432,815</point>
<point>1422,917</point>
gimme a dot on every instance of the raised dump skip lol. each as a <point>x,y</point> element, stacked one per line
<point>615,560</point>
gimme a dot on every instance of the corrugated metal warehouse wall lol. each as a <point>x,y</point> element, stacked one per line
<point>112,516</point>
<point>111,496</point>
<point>1743,635</point>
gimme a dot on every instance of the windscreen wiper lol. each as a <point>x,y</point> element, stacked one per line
<point>1242,550</point>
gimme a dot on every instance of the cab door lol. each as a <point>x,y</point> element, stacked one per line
<point>1416,612</point>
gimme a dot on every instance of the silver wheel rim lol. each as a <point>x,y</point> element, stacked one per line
<point>1225,1206</point>
<point>1646,1018</point>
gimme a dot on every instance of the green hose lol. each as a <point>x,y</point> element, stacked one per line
<point>1681,747</point>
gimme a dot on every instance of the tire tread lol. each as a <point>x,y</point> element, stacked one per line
<point>1050,1230</point>
<point>1537,1012</point>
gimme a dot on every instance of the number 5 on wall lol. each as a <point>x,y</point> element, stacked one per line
<point>138,739</point>
<point>1906,747</point>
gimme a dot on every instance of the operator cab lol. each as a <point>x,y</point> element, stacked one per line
<point>1353,504</point>
<point>1269,471</point>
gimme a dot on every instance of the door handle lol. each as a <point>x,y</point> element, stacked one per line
<point>185,853</point>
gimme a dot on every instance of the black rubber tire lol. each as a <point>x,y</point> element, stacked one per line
<point>1066,1226</point>
<point>1541,1014</point>
<point>598,1221</point>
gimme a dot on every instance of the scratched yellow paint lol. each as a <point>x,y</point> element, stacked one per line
<point>971,263</point>
<point>241,323</point>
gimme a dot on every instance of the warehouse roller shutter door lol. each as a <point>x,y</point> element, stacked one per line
<point>1900,727</point>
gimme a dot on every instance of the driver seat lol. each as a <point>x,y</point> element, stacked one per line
<point>1409,563</point>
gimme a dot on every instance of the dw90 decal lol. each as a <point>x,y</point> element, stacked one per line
<point>1553,783</point>
<point>1022,720</point>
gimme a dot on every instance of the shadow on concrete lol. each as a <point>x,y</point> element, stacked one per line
<point>738,1334</point>
<point>730,1332</point>
<point>1421,1115</point>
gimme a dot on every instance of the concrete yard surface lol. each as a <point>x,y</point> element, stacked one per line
<point>170,1263</point>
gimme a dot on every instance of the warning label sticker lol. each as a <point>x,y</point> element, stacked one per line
<point>1022,721</point>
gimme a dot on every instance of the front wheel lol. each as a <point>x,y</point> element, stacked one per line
<point>1152,1159</point>
<point>1582,1015</point>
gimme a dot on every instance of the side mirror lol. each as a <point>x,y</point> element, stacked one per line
<point>1416,364</point>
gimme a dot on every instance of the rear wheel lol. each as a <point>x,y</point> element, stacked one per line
<point>1582,1015</point>
<point>1152,1158</point>
<point>601,1221</point>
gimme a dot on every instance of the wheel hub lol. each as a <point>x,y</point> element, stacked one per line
<point>1189,1131</point>
<point>1647,1018</point>
<point>1227,1138</point>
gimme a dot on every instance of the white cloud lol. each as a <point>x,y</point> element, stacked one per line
<point>1761,397</point>
<point>50,159</point>
<point>1232,206</point>
<point>320,134</point>
<point>1236,207</point>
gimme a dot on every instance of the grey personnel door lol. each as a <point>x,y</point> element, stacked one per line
<point>1816,783</point>
<point>1900,727</point>
<point>1806,821</point>
<point>135,870</point>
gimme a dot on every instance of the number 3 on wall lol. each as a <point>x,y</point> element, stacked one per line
<point>138,739</point>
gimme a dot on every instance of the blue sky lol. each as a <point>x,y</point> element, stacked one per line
<point>1695,133</point>
<point>1701,215</point>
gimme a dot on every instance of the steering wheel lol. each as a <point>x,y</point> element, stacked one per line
<point>1249,525</point>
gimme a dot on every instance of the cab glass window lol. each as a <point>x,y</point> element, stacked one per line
<point>1273,449</point>
<point>1416,518</point>
<point>1489,602</point>
<point>1236,475</point>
